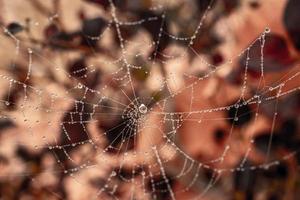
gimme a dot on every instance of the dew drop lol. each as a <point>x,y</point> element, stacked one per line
<point>267,30</point>
<point>143,109</point>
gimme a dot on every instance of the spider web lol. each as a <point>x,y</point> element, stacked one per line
<point>147,140</point>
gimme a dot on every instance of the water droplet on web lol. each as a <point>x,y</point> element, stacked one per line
<point>79,85</point>
<point>113,173</point>
<point>143,109</point>
<point>267,30</point>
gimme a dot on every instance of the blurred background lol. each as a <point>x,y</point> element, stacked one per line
<point>149,99</point>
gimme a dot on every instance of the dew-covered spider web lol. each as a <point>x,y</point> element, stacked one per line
<point>131,107</point>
